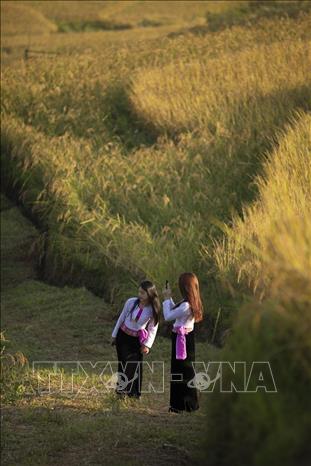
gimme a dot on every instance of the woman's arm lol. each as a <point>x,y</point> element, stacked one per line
<point>172,314</point>
<point>152,331</point>
<point>121,318</point>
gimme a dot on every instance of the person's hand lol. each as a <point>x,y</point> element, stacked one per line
<point>113,341</point>
<point>144,349</point>
<point>167,293</point>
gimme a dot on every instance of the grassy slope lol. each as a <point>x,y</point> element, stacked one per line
<point>269,249</point>
<point>218,161</point>
<point>268,254</point>
<point>23,19</point>
<point>50,323</point>
<point>258,408</point>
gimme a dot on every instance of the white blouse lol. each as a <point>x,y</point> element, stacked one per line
<point>182,314</point>
<point>145,317</point>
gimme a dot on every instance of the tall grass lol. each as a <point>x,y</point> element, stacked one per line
<point>213,94</point>
<point>131,158</point>
<point>271,243</point>
<point>126,166</point>
<point>268,253</point>
<point>264,428</point>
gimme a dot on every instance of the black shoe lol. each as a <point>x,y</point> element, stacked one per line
<point>174,410</point>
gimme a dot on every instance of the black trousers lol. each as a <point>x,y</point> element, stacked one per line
<point>182,396</point>
<point>130,366</point>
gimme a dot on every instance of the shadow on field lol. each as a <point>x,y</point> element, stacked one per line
<point>123,123</point>
<point>232,163</point>
<point>79,434</point>
<point>235,160</point>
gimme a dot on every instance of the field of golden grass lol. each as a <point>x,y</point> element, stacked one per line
<point>167,156</point>
<point>153,150</point>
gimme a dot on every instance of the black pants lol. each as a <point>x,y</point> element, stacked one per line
<point>183,397</point>
<point>130,366</point>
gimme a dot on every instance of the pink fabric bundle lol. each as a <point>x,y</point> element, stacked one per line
<point>181,350</point>
<point>142,335</point>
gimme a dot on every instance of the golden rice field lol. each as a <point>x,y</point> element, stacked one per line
<point>156,149</point>
<point>270,247</point>
<point>151,160</point>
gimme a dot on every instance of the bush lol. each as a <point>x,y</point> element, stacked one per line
<point>261,428</point>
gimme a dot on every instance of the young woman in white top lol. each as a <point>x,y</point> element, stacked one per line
<point>133,335</point>
<point>183,393</point>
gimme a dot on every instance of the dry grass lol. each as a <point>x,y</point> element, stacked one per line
<point>270,247</point>
<point>196,102</point>
<point>130,155</point>
<point>124,190</point>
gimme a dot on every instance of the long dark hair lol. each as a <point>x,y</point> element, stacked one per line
<point>153,298</point>
<point>190,291</point>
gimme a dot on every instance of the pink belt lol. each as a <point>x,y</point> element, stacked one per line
<point>181,346</point>
<point>133,333</point>
<point>142,333</point>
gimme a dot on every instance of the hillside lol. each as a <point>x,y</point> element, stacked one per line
<point>145,142</point>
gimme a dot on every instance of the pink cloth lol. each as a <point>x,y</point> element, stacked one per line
<point>142,335</point>
<point>181,350</point>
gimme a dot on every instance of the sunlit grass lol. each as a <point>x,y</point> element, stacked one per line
<point>270,247</point>
<point>130,166</point>
<point>130,152</point>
